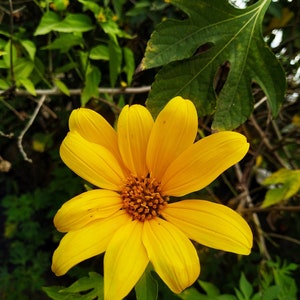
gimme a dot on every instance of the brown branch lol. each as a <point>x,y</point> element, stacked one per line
<point>271,208</point>
<point>283,237</point>
<point>104,90</point>
<point>31,120</point>
<point>248,200</point>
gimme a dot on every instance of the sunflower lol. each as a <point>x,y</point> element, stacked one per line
<point>130,217</point>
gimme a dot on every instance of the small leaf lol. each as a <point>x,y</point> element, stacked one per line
<point>49,20</point>
<point>62,87</point>
<point>193,294</point>
<point>287,184</point>
<point>245,287</point>
<point>115,60</point>
<point>4,84</point>
<point>30,48</point>
<point>146,288</point>
<point>74,23</point>
<point>209,288</point>
<point>92,81</point>
<point>59,5</point>
<point>23,68</point>
<point>28,84</point>
<point>99,52</point>
<point>271,293</point>
<point>64,42</point>
<point>7,54</point>
<point>129,68</point>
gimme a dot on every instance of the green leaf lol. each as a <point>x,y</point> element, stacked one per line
<point>146,288</point>
<point>75,23</point>
<point>71,23</point>
<point>86,288</point>
<point>115,60</point>
<point>64,42</point>
<point>7,55</point>
<point>245,287</point>
<point>29,47</point>
<point>271,293</point>
<point>92,80</point>
<point>215,41</point>
<point>209,288</point>
<point>99,52</point>
<point>4,84</point>
<point>53,292</point>
<point>62,87</point>
<point>23,68</point>
<point>92,6</point>
<point>48,22</point>
<point>193,294</point>
<point>129,68</point>
<point>284,184</point>
<point>28,85</point>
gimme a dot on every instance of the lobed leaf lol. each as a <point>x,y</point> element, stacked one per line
<point>213,59</point>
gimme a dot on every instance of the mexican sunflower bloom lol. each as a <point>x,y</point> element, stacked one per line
<point>130,216</point>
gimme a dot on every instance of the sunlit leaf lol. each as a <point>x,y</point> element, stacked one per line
<point>62,87</point>
<point>48,22</point>
<point>209,288</point>
<point>283,185</point>
<point>75,23</point>
<point>215,55</point>
<point>64,42</point>
<point>99,52</point>
<point>28,85</point>
<point>23,68</point>
<point>92,80</point>
<point>30,48</point>
<point>71,23</point>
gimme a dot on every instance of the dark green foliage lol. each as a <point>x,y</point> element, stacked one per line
<point>71,50</point>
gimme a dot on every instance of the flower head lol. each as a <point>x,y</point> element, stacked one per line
<point>130,217</point>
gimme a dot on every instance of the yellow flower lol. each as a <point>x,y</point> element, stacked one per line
<point>130,217</point>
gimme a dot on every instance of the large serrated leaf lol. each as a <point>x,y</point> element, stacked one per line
<point>192,52</point>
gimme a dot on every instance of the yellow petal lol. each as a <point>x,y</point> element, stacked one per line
<point>94,128</point>
<point>134,127</point>
<point>203,162</point>
<point>92,162</point>
<point>171,253</point>
<point>85,208</point>
<point>213,225</point>
<point>77,246</point>
<point>174,130</point>
<point>125,261</point>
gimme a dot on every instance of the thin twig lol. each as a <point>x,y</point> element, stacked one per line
<point>10,107</point>
<point>267,142</point>
<point>244,187</point>
<point>7,135</point>
<point>104,90</point>
<point>11,40</point>
<point>283,237</point>
<point>31,120</point>
<point>271,208</point>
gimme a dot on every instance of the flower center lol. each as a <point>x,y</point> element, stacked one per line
<point>142,198</point>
